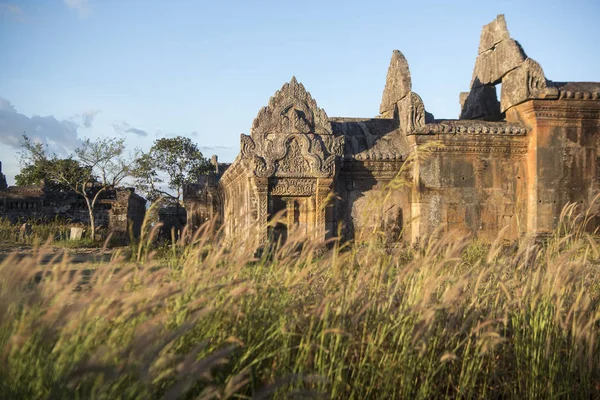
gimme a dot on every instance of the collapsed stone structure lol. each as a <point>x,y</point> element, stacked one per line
<point>117,210</point>
<point>203,200</point>
<point>506,166</point>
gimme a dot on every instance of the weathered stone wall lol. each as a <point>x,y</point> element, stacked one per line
<point>239,199</point>
<point>34,202</point>
<point>563,157</point>
<point>203,201</point>
<point>116,210</point>
<point>125,212</point>
<point>477,191</point>
<point>173,220</point>
<point>365,203</point>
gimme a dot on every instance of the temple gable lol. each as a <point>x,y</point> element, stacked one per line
<point>292,136</point>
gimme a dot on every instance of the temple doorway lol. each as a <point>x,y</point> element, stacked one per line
<point>278,229</point>
<point>288,215</point>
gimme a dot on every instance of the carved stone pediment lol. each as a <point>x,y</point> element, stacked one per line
<point>291,110</point>
<point>292,137</point>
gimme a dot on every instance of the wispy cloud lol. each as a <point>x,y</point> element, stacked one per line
<point>124,128</point>
<point>85,119</point>
<point>215,147</point>
<point>60,135</point>
<point>159,133</point>
<point>11,11</point>
<point>81,6</point>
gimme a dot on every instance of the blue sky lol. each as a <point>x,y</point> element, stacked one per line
<point>149,69</point>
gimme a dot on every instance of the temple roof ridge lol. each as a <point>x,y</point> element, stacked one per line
<point>577,90</point>
<point>476,127</point>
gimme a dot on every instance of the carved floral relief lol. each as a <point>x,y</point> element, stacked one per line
<point>292,137</point>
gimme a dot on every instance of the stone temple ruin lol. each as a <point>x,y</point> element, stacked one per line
<point>506,166</point>
<point>119,210</point>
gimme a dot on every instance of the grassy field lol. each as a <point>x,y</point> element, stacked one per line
<point>208,319</point>
<point>56,230</point>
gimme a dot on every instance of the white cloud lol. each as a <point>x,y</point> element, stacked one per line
<point>6,105</point>
<point>60,135</point>
<point>82,6</point>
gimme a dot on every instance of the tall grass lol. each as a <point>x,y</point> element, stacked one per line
<point>56,230</point>
<point>451,318</point>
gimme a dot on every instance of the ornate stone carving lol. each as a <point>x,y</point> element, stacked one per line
<point>579,95</point>
<point>474,128</point>
<point>293,162</point>
<point>291,110</point>
<point>412,113</point>
<point>552,112</point>
<point>492,146</point>
<point>523,83</point>
<point>577,90</point>
<point>322,194</point>
<point>261,189</point>
<point>293,187</point>
<point>292,137</point>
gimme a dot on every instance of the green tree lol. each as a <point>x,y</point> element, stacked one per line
<point>38,173</point>
<point>169,165</point>
<point>92,169</point>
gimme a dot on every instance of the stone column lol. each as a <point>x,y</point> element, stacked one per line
<point>303,214</point>
<point>290,206</point>
<point>321,195</point>
<point>262,213</point>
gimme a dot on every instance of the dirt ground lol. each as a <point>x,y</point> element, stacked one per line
<point>47,254</point>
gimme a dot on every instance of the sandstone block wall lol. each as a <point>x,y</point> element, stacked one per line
<point>118,210</point>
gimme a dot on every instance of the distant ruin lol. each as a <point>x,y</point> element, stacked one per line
<point>510,163</point>
<point>203,200</point>
<point>118,210</point>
